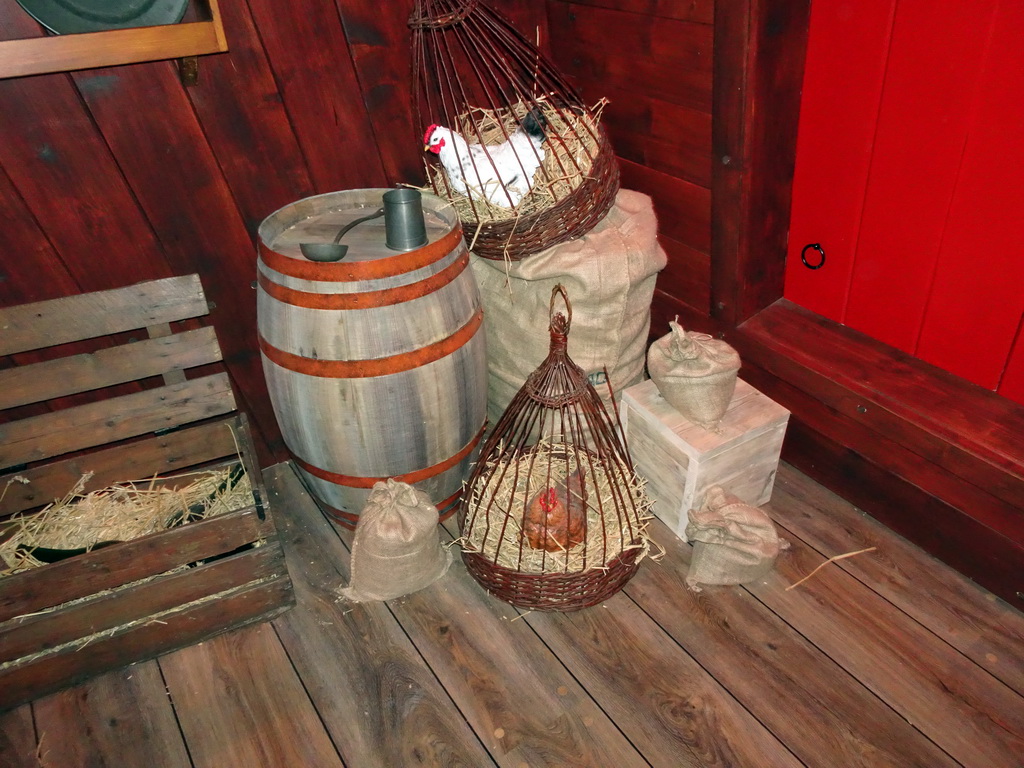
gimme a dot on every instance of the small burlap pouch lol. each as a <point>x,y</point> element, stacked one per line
<point>733,542</point>
<point>695,373</point>
<point>397,547</point>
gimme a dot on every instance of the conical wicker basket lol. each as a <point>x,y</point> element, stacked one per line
<point>476,74</point>
<point>554,444</point>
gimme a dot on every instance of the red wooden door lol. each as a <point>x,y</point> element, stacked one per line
<point>910,175</point>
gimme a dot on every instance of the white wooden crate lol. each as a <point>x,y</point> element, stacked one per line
<point>680,460</point>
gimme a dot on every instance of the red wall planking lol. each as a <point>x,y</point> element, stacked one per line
<point>977,297</point>
<point>846,53</point>
<point>702,11</point>
<point>246,141</point>
<point>922,126</point>
<point>652,59</point>
<point>1012,383</point>
<point>174,175</point>
<point>316,77</point>
<point>656,133</point>
<point>909,125</point>
<point>30,269</point>
<point>664,59</point>
<point>382,58</point>
<point>59,164</point>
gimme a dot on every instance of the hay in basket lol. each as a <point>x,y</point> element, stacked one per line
<point>519,478</point>
<point>81,521</point>
<point>572,144</point>
<point>475,74</point>
<point>554,517</point>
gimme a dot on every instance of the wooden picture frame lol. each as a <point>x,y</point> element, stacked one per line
<point>63,53</point>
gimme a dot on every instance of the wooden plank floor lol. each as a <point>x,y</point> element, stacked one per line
<point>884,659</point>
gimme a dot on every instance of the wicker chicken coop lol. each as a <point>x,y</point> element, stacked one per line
<point>525,162</point>
<point>553,516</point>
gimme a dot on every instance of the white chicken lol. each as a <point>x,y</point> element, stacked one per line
<point>501,174</point>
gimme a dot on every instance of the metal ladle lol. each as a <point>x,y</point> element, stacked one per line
<point>334,251</point>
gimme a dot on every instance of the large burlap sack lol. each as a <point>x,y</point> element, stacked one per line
<point>695,373</point>
<point>733,542</point>
<point>397,547</point>
<point>609,276</point>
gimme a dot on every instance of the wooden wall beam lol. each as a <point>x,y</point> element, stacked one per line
<point>759,52</point>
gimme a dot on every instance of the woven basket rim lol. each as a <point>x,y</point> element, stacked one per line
<point>571,217</point>
<point>546,591</point>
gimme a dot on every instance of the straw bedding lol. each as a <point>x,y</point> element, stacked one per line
<point>571,145</point>
<point>120,513</point>
<point>611,530</point>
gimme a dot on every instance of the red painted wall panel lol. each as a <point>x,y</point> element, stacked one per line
<point>1012,383</point>
<point>907,173</point>
<point>977,297</point>
<point>922,126</point>
<point>848,44</point>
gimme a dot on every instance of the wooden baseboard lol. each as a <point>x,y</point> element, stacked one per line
<point>948,533</point>
<point>934,457</point>
<point>969,431</point>
<point>831,449</point>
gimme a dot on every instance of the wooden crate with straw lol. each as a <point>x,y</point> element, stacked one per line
<point>133,518</point>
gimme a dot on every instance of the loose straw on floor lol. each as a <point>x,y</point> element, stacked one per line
<point>830,560</point>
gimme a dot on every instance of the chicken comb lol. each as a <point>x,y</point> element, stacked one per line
<point>430,130</point>
<point>548,499</point>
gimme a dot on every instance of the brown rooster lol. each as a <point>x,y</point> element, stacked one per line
<point>556,518</point>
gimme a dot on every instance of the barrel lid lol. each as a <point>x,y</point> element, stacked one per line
<point>318,219</point>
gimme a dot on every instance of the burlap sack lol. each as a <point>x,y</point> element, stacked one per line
<point>397,547</point>
<point>609,273</point>
<point>695,373</point>
<point>733,542</point>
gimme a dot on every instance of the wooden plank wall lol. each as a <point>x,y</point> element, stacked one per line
<point>653,61</point>
<point>114,176</point>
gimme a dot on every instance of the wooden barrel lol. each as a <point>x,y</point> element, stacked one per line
<point>376,364</point>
